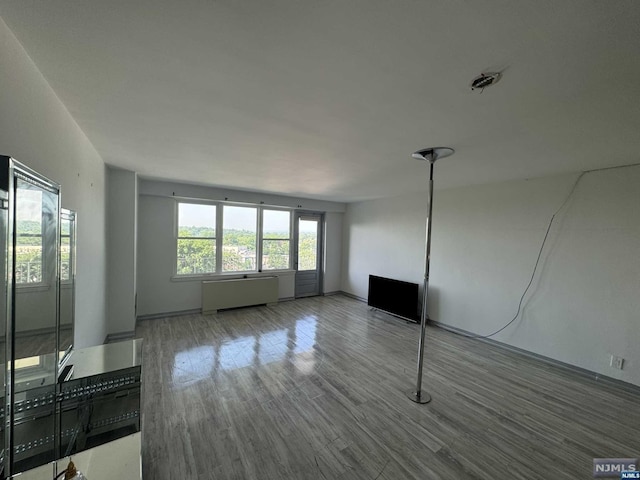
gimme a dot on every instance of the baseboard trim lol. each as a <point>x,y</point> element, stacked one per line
<point>194,311</point>
<point>35,331</point>
<point>119,336</point>
<point>579,371</point>
<point>351,295</point>
<point>330,294</point>
<point>154,316</point>
<point>364,300</point>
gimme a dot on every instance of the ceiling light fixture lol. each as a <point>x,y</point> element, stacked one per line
<point>484,80</point>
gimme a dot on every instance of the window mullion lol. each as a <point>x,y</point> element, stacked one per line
<point>259,239</point>
<point>219,234</point>
<point>293,238</point>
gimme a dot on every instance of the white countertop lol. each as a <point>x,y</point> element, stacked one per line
<point>118,459</point>
<point>105,358</point>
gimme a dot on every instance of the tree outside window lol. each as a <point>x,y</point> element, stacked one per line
<point>276,243</point>
<point>196,239</point>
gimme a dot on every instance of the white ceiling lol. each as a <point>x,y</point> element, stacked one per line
<point>328,99</point>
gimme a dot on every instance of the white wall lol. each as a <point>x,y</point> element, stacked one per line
<point>158,292</point>
<point>332,252</point>
<point>37,129</point>
<point>156,242</point>
<point>383,237</point>
<point>186,190</point>
<point>583,305</point>
<point>122,195</point>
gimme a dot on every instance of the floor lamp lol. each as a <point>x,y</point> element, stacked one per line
<point>430,155</point>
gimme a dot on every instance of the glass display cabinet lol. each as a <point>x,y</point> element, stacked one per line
<point>55,400</point>
<point>30,231</point>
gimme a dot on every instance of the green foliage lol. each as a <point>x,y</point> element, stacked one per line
<point>65,227</point>
<point>65,258</point>
<point>238,250</point>
<point>307,248</point>
<point>26,230</point>
<point>28,252</point>
<point>273,235</point>
<point>198,256</point>
<point>275,254</point>
<point>240,238</point>
<point>201,232</point>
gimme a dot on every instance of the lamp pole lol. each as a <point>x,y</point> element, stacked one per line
<point>430,155</point>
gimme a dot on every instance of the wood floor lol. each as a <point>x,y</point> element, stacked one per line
<point>314,389</point>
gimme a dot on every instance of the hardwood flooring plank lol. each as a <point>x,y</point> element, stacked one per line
<point>314,389</point>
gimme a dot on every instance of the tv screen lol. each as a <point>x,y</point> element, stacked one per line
<point>394,296</point>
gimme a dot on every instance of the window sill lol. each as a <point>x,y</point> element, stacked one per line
<point>32,287</point>
<point>230,276</point>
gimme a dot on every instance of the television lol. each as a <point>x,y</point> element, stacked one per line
<point>394,296</point>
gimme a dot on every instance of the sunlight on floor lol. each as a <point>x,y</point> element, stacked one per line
<point>293,343</point>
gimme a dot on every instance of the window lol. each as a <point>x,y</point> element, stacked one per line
<point>196,239</point>
<point>249,239</point>
<point>65,249</point>
<point>239,238</point>
<point>307,244</point>
<point>28,233</point>
<point>276,239</point>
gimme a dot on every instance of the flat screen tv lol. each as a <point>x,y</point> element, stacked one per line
<point>394,296</point>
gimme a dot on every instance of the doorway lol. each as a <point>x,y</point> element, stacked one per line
<point>307,253</point>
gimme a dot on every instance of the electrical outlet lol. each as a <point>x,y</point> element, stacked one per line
<point>616,362</point>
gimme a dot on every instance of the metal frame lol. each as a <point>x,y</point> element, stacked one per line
<point>11,171</point>
<point>72,217</point>
<point>320,217</point>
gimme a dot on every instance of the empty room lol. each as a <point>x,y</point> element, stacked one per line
<point>320,239</point>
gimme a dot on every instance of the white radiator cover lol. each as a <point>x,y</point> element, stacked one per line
<point>238,292</point>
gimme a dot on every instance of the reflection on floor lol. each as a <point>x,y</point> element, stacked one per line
<point>314,389</point>
<point>203,362</point>
<point>40,343</point>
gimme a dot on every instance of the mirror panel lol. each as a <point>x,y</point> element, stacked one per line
<point>34,220</point>
<point>67,282</point>
<point>3,322</point>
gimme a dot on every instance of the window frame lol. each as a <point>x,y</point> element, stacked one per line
<point>40,284</point>
<point>257,238</point>
<point>263,238</point>
<point>68,216</point>
<point>177,237</point>
<point>40,281</point>
<point>219,239</point>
